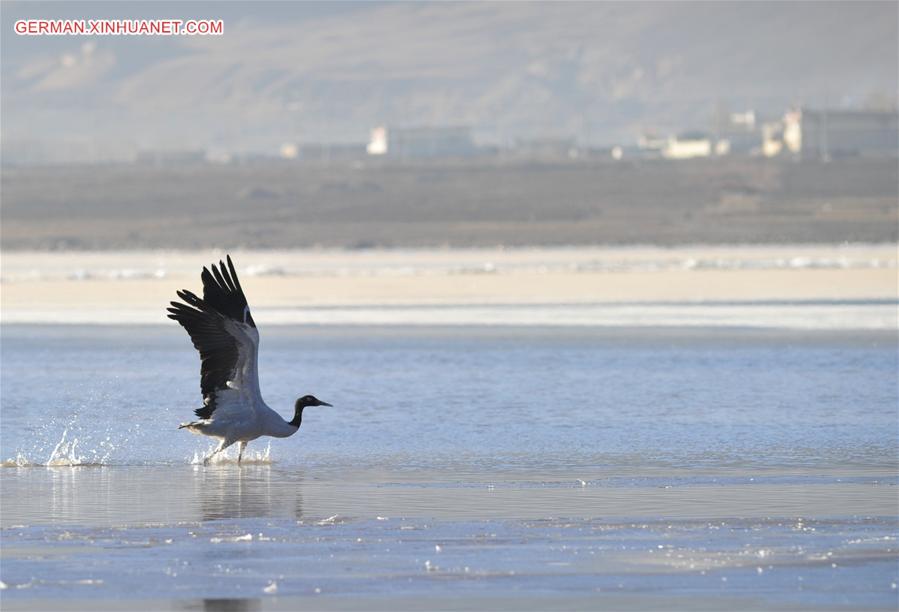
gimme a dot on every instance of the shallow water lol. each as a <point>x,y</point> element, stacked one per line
<point>476,467</point>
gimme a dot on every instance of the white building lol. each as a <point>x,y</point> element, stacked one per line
<point>688,146</point>
<point>772,138</point>
<point>377,144</point>
<point>289,150</point>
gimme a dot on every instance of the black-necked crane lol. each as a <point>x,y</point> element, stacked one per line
<point>223,331</point>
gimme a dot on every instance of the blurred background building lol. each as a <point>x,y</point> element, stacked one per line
<point>828,133</point>
<point>421,142</point>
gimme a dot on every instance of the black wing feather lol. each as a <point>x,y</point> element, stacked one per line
<point>223,293</point>
<point>204,319</point>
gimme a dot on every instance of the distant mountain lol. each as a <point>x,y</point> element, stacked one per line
<point>599,72</point>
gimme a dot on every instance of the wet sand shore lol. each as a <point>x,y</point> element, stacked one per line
<point>134,286</point>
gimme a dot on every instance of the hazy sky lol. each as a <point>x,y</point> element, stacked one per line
<point>312,72</point>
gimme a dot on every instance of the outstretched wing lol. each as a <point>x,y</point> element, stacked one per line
<point>223,331</point>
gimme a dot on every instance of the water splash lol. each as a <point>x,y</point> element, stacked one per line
<point>229,457</point>
<point>20,460</point>
<point>65,454</point>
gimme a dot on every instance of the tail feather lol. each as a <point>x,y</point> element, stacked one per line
<point>194,426</point>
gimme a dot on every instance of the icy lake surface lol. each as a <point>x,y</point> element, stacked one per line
<point>460,467</point>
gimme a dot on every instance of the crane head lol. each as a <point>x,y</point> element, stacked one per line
<point>309,400</point>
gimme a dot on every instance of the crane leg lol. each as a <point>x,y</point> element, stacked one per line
<point>240,448</point>
<point>222,446</point>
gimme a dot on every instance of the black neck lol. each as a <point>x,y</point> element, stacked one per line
<point>297,417</point>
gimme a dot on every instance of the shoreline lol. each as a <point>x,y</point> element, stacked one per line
<point>832,286</point>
